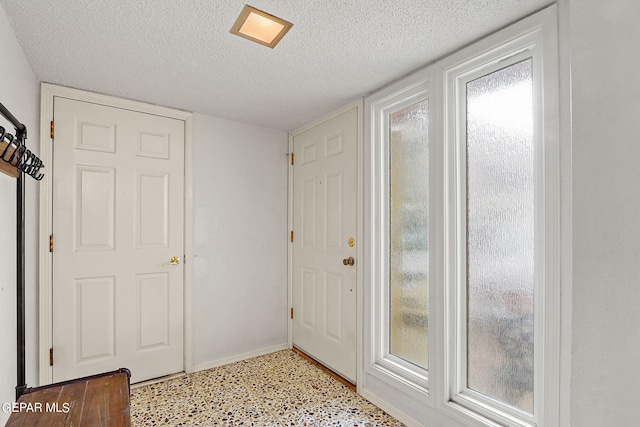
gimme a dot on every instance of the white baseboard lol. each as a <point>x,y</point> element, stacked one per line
<point>390,409</point>
<point>239,357</point>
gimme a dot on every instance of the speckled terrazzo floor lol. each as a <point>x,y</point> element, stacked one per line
<point>278,389</point>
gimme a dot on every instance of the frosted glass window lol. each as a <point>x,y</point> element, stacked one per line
<point>409,233</point>
<point>500,235</point>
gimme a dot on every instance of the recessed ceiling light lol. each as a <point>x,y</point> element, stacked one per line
<point>260,27</point>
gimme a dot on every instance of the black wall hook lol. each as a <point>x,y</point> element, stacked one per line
<point>16,152</point>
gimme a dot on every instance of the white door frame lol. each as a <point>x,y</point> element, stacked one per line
<point>359,106</point>
<point>48,92</point>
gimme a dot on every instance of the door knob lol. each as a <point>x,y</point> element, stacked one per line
<point>173,261</point>
<point>349,261</point>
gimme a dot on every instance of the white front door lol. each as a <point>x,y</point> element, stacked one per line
<point>324,224</point>
<point>118,198</point>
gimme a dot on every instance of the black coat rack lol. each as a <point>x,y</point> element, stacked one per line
<point>16,160</point>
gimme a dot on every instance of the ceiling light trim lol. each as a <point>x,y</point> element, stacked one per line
<point>245,14</point>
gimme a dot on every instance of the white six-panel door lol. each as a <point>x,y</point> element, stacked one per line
<point>324,221</point>
<point>117,221</point>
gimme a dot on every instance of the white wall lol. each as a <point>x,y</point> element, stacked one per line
<point>240,242</point>
<point>605,63</point>
<point>19,93</point>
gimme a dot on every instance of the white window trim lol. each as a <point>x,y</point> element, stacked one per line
<point>523,39</point>
<point>387,367</point>
<point>457,79</point>
<point>541,30</point>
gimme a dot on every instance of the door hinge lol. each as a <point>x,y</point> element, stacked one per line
<point>291,236</point>
<point>51,243</point>
<point>51,356</point>
<point>292,312</point>
<point>293,157</point>
<point>53,128</point>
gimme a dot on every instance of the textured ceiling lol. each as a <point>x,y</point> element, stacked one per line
<point>179,53</point>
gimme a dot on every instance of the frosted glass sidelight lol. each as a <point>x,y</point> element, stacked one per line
<point>500,235</point>
<point>409,233</point>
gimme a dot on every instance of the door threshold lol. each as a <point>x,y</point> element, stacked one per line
<point>324,368</point>
<point>158,380</point>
